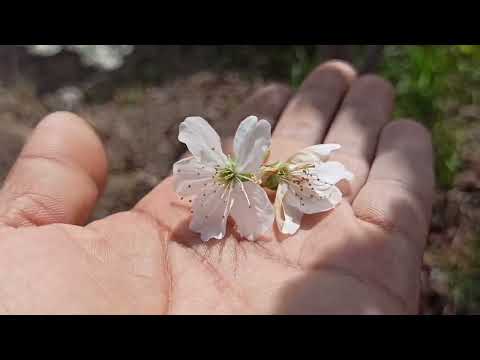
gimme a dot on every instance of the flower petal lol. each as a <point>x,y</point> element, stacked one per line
<point>335,196</point>
<point>210,213</point>
<point>252,219</point>
<point>293,219</point>
<point>251,143</point>
<point>191,176</point>
<point>315,153</point>
<point>201,140</point>
<point>278,204</point>
<point>331,172</point>
<point>287,217</point>
<point>312,201</point>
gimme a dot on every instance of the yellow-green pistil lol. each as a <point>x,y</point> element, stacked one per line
<point>281,172</point>
<point>229,174</point>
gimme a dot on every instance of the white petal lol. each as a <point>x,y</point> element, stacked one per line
<point>202,140</point>
<point>278,206</point>
<point>210,213</point>
<point>331,172</point>
<point>335,196</point>
<point>191,176</point>
<point>312,200</point>
<point>251,143</point>
<point>255,219</point>
<point>288,218</point>
<point>315,153</point>
<point>293,219</point>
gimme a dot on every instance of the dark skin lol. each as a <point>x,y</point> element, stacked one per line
<point>362,258</point>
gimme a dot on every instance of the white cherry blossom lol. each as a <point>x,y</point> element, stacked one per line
<point>306,184</point>
<point>221,185</point>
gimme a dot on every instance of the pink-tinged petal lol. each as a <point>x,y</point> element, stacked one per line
<point>315,153</point>
<point>201,140</point>
<point>308,201</point>
<point>334,196</point>
<point>278,206</point>
<point>191,176</point>
<point>292,219</point>
<point>254,216</point>
<point>251,143</point>
<point>210,212</point>
<point>331,172</point>
<point>287,217</point>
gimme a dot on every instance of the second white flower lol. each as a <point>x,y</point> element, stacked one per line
<point>306,184</point>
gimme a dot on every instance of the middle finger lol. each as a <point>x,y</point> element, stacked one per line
<point>368,106</point>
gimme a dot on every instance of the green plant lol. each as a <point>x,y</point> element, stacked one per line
<point>303,62</point>
<point>447,154</point>
<point>431,82</point>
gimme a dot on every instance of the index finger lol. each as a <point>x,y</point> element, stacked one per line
<point>308,115</point>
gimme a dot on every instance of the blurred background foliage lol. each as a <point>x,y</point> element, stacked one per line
<point>432,82</point>
<point>437,85</point>
<point>462,270</point>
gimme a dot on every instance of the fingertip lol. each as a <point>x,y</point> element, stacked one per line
<point>372,80</point>
<point>65,118</point>
<point>58,176</point>
<point>409,127</point>
<point>58,117</point>
<point>405,157</point>
<point>339,67</point>
<point>266,103</point>
<point>375,84</point>
<point>311,110</point>
<point>69,137</point>
<point>409,136</point>
<point>419,138</point>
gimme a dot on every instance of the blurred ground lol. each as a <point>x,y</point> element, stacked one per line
<point>137,108</point>
<point>138,127</point>
<point>454,231</point>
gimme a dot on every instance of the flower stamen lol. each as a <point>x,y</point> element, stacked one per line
<point>245,193</point>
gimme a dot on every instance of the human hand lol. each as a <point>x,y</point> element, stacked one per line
<point>363,257</point>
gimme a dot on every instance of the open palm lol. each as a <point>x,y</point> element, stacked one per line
<point>363,257</point>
